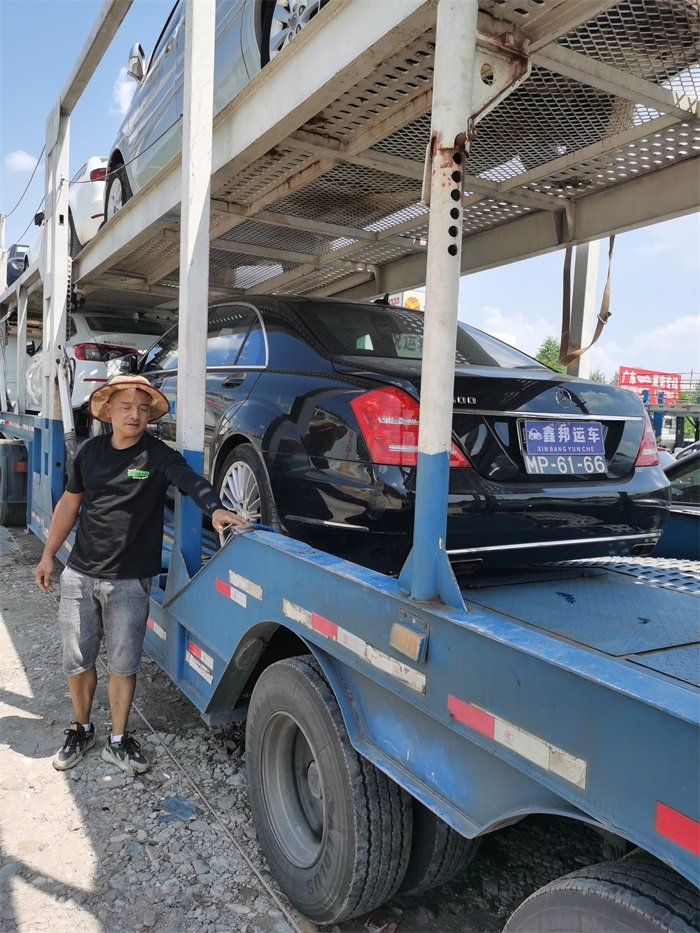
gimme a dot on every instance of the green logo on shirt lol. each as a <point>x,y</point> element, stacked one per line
<point>138,474</point>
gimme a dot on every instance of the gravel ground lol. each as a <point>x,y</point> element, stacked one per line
<point>175,849</point>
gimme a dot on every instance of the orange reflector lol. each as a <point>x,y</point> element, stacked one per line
<point>408,641</point>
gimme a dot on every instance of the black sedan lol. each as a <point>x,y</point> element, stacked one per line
<point>311,426</point>
<point>681,539</point>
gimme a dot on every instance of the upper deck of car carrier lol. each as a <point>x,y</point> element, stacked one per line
<point>316,184</point>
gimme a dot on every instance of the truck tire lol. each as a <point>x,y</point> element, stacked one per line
<point>637,894</point>
<point>438,853</point>
<point>243,486</point>
<point>13,483</point>
<point>335,831</point>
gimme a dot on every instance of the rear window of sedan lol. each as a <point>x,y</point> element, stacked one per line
<point>123,325</point>
<point>397,333</point>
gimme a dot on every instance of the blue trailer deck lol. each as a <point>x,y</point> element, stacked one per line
<point>567,689</point>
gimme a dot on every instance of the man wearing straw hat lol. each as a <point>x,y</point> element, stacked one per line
<point>116,491</point>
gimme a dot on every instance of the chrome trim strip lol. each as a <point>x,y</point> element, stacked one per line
<point>685,510</point>
<point>651,537</point>
<point>318,521</point>
<point>557,415</point>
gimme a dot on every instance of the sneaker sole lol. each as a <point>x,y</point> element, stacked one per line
<point>123,765</point>
<point>66,766</point>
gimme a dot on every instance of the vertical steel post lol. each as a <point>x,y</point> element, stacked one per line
<point>583,305</point>
<point>427,573</point>
<point>3,255</point>
<point>194,260</point>
<point>21,349</point>
<point>53,260</point>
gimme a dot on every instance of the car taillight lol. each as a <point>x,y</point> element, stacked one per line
<point>100,352</point>
<point>648,454</point>
<point>388,419</point>
<point>98,174</point>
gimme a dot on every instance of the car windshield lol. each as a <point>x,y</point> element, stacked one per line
<point>19,250</point>
<point>397,333</point>
<point>123,325</point>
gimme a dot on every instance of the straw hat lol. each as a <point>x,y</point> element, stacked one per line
<point>100,397</point>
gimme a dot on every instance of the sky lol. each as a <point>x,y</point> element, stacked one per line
<point>655,302</point>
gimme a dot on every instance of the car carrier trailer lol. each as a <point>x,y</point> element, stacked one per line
<point>393,722</point>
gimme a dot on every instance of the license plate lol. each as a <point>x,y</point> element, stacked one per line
<point>563,447</point>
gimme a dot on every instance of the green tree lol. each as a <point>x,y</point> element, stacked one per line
<point>548,354</point>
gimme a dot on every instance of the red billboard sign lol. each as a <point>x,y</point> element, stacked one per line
<point>637,380</point>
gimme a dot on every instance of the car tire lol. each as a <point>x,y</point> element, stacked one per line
<point>635,893</point>
<point>117,192</point>
<point>244,488</point>
<point>438,853</point>
<point>305,11</point>
<point>74,244</point>
<point>335,831</point>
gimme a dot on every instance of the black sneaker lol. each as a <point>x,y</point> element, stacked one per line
<point>126,755</point>
<point>78,741</point>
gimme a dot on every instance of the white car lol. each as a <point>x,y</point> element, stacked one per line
<point>93,340</point>
<point>86,195</point>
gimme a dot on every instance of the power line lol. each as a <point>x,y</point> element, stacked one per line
<point>28,184</point>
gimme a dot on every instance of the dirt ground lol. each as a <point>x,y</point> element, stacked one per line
<point>175,849</point>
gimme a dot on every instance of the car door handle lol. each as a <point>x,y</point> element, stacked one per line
<point>233,380</point>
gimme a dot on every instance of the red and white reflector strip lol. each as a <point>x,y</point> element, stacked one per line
<point>373,656</point>
<point>239,588</point>
<point>156,629</point>
<point>679,828</point>
<point>200,661</point>
<point>529,746</point>
<point>39,521</point>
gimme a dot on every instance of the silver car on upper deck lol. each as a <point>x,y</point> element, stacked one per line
<point>249,33</point>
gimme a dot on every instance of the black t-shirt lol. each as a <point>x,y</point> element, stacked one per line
<point>120,527</point>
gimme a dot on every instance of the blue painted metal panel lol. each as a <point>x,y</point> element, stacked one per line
<point>427,573</point>
<point>44,440</point>
<point>597,611</point>
<point>188,518</point>
<point>682,663</point>
<point>572,730</point>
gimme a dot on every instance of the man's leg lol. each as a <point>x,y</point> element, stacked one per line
<point>120,690</point>
<point>125,605</point>
<point>79,615</point>
<point>82,691</point>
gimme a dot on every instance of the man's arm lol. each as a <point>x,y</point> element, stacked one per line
<point>201,491</point>
<point>63,519</point>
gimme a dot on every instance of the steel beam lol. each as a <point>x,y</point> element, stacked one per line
<point>611,80</point>
<point>194,261</point>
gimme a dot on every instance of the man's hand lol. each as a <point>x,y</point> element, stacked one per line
<point>42,574</point>
<point>222,518</point>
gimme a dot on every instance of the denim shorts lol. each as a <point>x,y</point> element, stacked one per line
<point>92,608</point>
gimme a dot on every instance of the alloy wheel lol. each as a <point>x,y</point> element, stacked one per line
<point>240,492</point>
<point>288,19</point>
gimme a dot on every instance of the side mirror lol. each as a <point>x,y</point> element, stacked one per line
<point>31,348</point>
<point>137,63</point>
<point>38,218</point>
